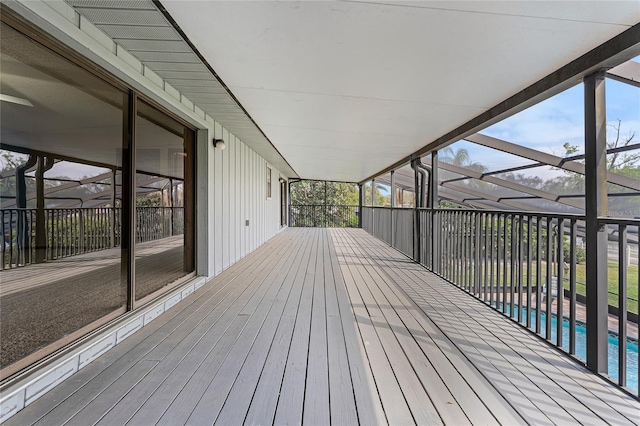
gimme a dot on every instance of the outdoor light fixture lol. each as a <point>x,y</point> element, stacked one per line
<point>219,143</point>
<point>282,180</point>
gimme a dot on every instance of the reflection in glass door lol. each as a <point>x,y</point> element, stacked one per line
<point>60,188</point>
<point>164,200</point>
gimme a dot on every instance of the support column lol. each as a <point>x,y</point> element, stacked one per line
<point>23,237</point>
<point>44,164</point>
<point>112,216</point>
<point>373,205</point>
<point>596,206</point>
<point>393,205</point>
<point>435,216</point>
<point>128,233</point>
<point>360,204</point>
<point>373,192</point>
<point>171,207</point>
<point>416,212</point>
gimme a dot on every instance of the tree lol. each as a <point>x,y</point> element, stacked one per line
<point>619,162</point>
<point>322,203</point>
<point>461,158</point>
<point>310,192</point>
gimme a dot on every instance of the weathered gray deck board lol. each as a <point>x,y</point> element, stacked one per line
<point>365,391</point>
<point>393,400</point>
<point>331,326</point>
<point>259,378</point>
<point>553,381</point>
<point>289,409</point>
<point>418,400</point>
<point>392,309</point>
<point>343,407</point>
<point>182,407</point>
<point>316,392</point>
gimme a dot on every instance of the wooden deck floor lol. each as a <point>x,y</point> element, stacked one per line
<point>331,327</point>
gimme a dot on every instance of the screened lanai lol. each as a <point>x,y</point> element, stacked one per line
<point>155,272</point>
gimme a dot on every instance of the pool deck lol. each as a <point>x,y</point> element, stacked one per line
<point>331,326</point>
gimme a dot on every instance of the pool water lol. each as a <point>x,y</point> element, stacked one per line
<point>581,345</point>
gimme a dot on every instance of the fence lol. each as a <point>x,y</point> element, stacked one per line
<point>529,266</point>
<point>70,232</point>
<point>323,216</point>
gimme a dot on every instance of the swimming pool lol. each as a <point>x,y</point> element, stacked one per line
<point>581,345</point>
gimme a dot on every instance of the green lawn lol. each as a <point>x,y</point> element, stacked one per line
<point>632,284</point>
<point>581,272</point>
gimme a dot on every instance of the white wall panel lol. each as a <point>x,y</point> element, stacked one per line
<point>216,187</point>
<point>226,202</point>
<point>238,185</point>
<point>233,217</point>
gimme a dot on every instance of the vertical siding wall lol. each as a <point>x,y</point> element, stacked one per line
<point>238,193</point>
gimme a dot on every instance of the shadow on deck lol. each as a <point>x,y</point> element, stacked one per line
<point>331,326</point>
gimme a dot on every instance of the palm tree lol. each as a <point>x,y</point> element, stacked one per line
<point>460,158</point>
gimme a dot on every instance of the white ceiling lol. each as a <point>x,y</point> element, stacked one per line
<point>344,89</point>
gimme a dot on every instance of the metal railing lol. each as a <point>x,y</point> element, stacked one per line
<point>323,216</point>
<point>74,231</point>
<point>529,266</point>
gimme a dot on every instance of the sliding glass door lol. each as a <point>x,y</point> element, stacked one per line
<point>64,266</point>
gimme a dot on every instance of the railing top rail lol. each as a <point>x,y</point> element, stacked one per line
<point>569,216</point>
<point>620,221</point>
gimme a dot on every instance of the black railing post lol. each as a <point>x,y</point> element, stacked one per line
<point>416,215</point>
<point>128,221</point>
<point>360,204</point>
<point>435,218</point>
<point>112,211</point>
<point>595,207</point>
<point>477,244</point>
